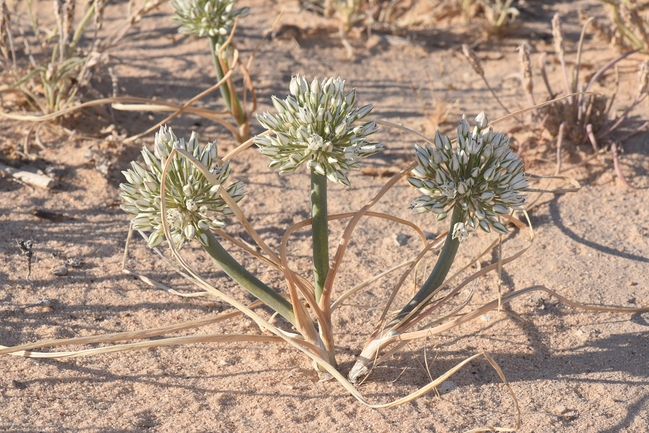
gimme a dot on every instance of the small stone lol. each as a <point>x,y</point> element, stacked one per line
<point>560,410</point>
<point>447,386</point>
<point>401,239</point>
<point>60,270</point>
<point>224,362</point>
<point>75,262</point>
<point>486,318</point>
<point>429,235</point>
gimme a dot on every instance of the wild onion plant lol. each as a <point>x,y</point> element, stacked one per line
<point>214,19</point>
<point>477,182</point>
<point>193,202</point>
<point>318,127</point>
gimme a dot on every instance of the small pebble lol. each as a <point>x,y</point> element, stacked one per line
<point>60,270</point>
<point>401,239</point>
<point>447,386</point>
<point>429,235</point>
<point>560,410</point>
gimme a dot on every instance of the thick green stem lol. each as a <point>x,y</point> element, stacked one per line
<point>320,230</point>
<point>248,281</point>
<point>440,271</point>
<point>229,95</point>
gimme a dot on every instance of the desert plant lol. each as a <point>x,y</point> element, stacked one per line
<point>496,17</point>
<point>57,67</point>
<point>581,115</point>
<point>182,195</point>
<point>215,20</point>
<point>585,116</point>
<point>499,16</point>
<point>315,128</point>
<point>478,182</point>
<point>629,27</point>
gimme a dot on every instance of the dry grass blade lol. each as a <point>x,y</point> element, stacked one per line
<point>404,129</point>
<point>164,287</point>
<point>507,298</point>
<point>172,341</point>
<point>542,104</point>
<point>576,186</point>
<point>325,301</point>
<point>120,336</point>
<point>339,302</point>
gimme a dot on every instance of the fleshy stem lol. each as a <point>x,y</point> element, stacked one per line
<point>439,273</point>
<point>320,230</point>
<point>248,281</point>
<point>228,94</point>
<point>432,284</point>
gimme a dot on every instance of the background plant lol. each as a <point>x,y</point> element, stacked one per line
<point>584,117</point>
<point>629,26</point>
<point>215,20</point>
<point>580,116</point>
<point>496,17</point>
<point>52,65</point>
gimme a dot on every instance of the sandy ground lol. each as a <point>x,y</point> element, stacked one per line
<point>571,370</point>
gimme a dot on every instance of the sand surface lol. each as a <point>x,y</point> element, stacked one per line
<point>571,370</point>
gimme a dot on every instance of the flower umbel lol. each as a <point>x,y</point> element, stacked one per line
<point>481,174</point>
<point>193,203</point>
<point>315,127</point>
<point>206,17</point>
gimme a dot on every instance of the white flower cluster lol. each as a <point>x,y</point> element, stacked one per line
<point>207,17</point>
<point>315,127</point>
<point>481,174</point>
<point>193,203</point>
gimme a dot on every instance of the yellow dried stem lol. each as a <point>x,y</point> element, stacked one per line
<point>507,298</point>
<point>121,336</point>
<point>526,70</point>
<point>5,19</point>
<point>325,301</point>
<point>473,59</point>
<point>557,36</point>
<point>172,341</point>
<point>643,79</point>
